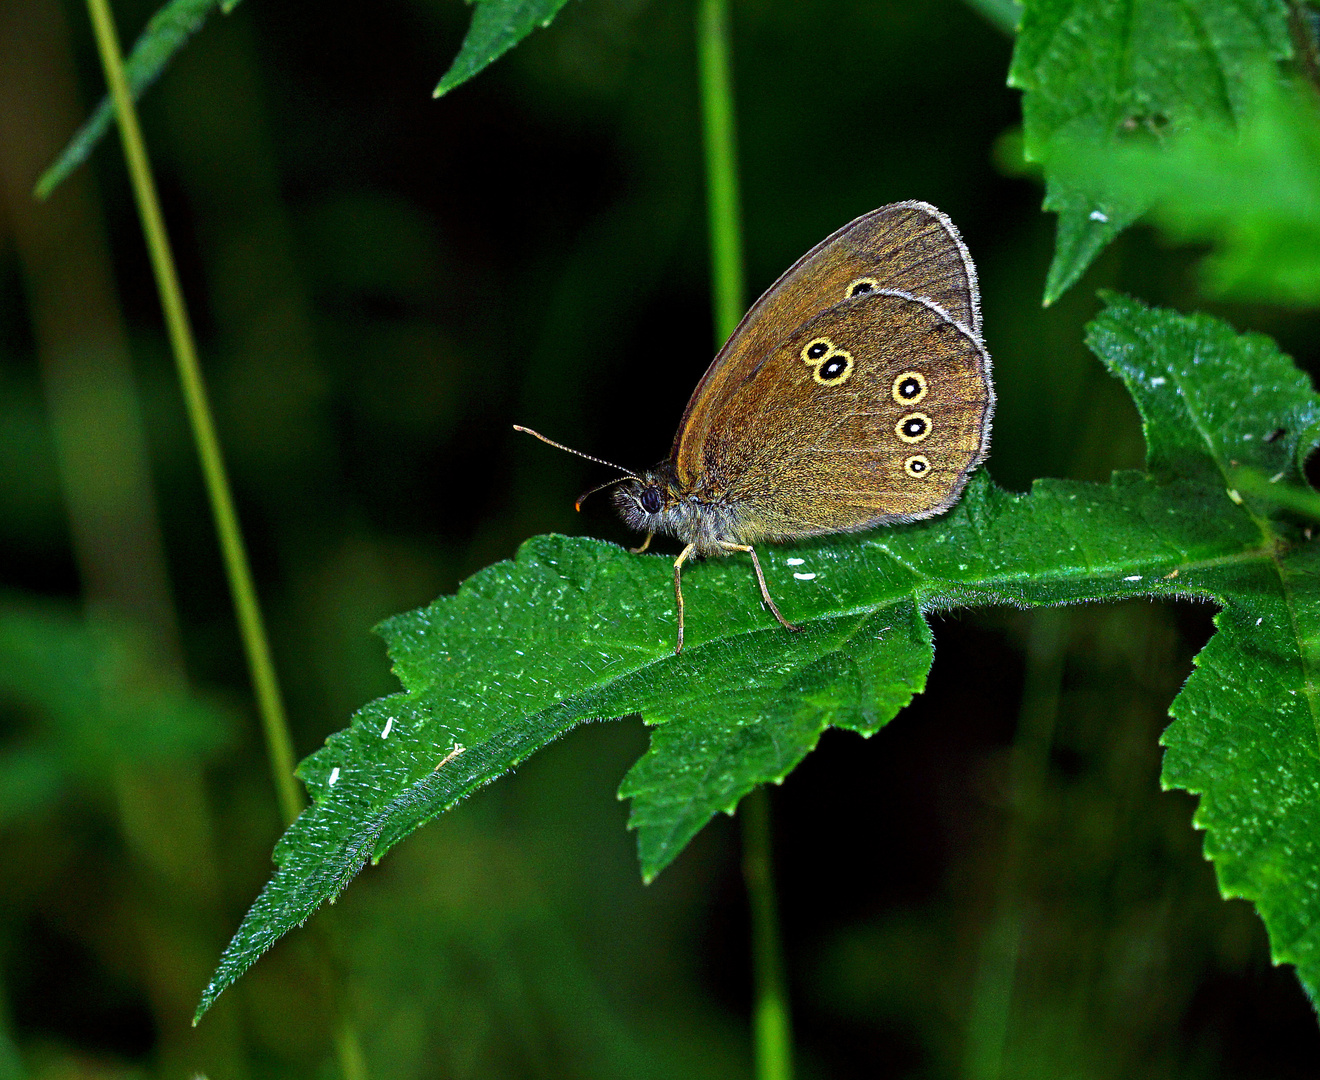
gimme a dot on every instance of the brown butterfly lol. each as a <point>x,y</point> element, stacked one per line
<point>856,392</point>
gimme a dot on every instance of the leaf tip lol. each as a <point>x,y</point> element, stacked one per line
<point>203,1006</point>
<point>1059,280</point>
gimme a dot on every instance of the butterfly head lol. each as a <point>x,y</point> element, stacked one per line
<point>650,502</point>
<point>656,502</point>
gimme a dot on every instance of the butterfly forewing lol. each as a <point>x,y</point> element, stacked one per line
<point>907,247</point>
<point>873,411</point>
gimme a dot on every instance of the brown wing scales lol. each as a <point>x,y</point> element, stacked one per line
<point>873,411</point>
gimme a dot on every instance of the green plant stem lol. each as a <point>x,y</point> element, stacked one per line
<point>352,1061</point>
<point>279,746</point>
<point>773,1035</point>
<point>985,1052</point>
<point>723,204</point>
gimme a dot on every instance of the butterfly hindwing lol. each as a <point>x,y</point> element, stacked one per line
<point>872,411</point>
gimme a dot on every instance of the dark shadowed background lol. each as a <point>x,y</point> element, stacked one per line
<point>381,285</point>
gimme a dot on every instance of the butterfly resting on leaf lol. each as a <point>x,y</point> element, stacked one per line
<point>855,392</point>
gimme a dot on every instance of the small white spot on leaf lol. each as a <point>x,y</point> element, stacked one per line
<point>795,562</point>
<point>334,777</point>
<point>804,577</point>
<point>389,726</point>
<point>1100,216</point>
<point>1159,380</point>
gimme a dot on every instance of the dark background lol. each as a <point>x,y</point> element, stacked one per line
<point>381,285</point>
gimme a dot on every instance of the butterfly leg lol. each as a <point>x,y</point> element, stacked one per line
<point>760,579</point>
<point>643,546</point>
<point>678,591</point>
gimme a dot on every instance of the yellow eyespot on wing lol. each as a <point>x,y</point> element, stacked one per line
<point>860,285</point>
<point>829,364</point>
<point>815,351</point>
<point>913,427</point>
<point>917,467</point>
<point>909,387</point>
<point>833,368</point>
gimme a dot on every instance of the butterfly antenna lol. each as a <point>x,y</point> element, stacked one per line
<point>627,475</point>
<point>599,487</point>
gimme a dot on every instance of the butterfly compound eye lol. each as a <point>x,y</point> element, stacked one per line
<point>651,501</point>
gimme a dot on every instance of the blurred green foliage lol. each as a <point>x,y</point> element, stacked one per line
<point>1114,73</point>
<point>1250,193</point>
<point>382,284</point>
<point>95,705</point>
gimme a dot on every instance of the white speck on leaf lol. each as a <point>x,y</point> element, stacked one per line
<point>804,577</point>
<point>1159,380</point>
<point>1134,577</point>
<point>1100,216</point>
<point>334,777</point>
<point>795,562</point>
<point>389,726</point>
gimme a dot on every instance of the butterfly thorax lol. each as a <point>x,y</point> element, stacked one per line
<point>695,514</point>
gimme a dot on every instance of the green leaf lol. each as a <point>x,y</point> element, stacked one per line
<point>1251,194</point>
<point>497,26</point>
<point>166,33</point>
<point>709,751</point>
<point>1004,15</point>
<point>1109,74</point>
<point>1246,736</point>
<point>576,630</point>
